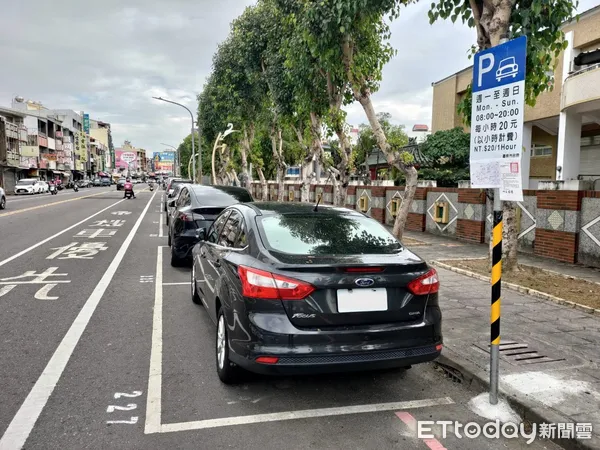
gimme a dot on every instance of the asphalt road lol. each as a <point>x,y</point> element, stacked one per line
<point>103,349</point>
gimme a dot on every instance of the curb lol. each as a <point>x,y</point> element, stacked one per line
<point>530,410</point>
<point>519,288</point>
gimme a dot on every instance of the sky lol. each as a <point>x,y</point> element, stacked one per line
<point>110,58</point>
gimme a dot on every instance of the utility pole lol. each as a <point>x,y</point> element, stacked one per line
<point>192,117</point>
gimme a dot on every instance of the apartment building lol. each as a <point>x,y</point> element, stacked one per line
<point>561,136</point>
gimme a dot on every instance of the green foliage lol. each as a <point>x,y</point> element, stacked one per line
<point>539,20</point>
<point>185,153</point>
<point>396,136</point>
<point>448,151</point>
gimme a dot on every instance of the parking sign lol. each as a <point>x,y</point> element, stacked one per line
<point>497,118</point>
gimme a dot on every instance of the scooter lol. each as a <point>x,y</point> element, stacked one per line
<point>129,194</point>
<point>75,188</point>
<point>52,189</point>
<point>151,187</point>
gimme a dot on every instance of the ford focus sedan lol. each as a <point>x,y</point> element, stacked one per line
<point>294,289</point>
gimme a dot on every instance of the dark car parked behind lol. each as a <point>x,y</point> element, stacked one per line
<point>171,188</point>
<point>293,290</point>
<point>121,184</point>
<point>196,208</point>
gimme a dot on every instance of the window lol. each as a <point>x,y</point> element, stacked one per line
<point>231,229</point>
<point>180,197</point>
<point>326,234</point>
<point>242,239</point>
<point>541,150</point>
<point>590,140</point>
<point>213,232</point>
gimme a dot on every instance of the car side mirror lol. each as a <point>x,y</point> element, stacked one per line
<point>172,204</point>
<point>201,234</point>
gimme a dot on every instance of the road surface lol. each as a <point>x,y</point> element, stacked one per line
<point>102,348</point>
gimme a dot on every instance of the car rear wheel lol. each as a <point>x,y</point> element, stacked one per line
<point>227,371</point>
<point>195,296</point>
<point>175,261</point>
<point>2,202</point>
<point>169,239</point>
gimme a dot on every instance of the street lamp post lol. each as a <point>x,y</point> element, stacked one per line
<point>178,171</point>
<point>193,148</point>
<point>219,146</point>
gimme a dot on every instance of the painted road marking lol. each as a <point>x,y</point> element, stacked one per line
<point>23,422</point>
<point>303,414</point>
<point>160,226</point>
<point>411,422</point>
<point>42,242</point>
<point>32,208</point>
<point>182,283</point>
<point>154,399</point>
<point>147,279</point>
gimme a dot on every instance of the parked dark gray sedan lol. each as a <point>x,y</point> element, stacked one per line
<point>295,289</point>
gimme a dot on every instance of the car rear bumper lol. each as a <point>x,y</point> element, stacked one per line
<point>348,349</point>
<point>182,245</point>
<point>353,362</point>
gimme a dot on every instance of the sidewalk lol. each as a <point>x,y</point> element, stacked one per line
<point>550,354</point>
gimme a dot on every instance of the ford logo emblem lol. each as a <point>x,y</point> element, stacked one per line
<point>364,282</point>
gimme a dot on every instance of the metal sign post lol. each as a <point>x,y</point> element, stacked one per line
<point>496,151</point>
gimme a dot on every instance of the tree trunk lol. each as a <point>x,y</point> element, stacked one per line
<point>245,150</point>
<point>277,146</point>
<point>407,169</point>
<point>409,192</point>
<point>264,189</point>
<point>509,238</point>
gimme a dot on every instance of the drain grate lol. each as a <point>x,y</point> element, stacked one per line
<point>520,353</point>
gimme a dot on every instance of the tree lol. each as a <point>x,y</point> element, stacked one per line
<point>448,151</point>
<point>540,21</point>
<point>349,40</point>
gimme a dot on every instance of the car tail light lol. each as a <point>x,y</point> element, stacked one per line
<point>267,360</point>
<point>269,286</point>
<point>439,347</point>
<point>363,269</point>
<point>425,284</point>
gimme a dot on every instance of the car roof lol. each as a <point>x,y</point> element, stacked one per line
<point>278,208</point>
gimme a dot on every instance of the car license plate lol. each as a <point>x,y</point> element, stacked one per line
<point>362,299</point>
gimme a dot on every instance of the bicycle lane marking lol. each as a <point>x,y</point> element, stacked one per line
<point>48,239</point>
<point>24,420</point>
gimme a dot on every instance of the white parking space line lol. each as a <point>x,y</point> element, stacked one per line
<point>182,283</point>
<point>160,225</point>
<point>24,420</point>
<point>304,414</point>
<point>42,242</point>
<point>154,393</point>
<point>154,396</point>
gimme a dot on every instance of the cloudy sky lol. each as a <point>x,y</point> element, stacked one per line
<point>109,58</point>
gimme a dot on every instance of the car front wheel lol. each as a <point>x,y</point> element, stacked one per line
<point>195,297</point>
<point>228,372</point>
<point>2,202</point>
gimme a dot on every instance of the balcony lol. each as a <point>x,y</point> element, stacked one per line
<point>581,91</point>
<point>42,140</point>
<point>12,130</point>
<point>51,143</point>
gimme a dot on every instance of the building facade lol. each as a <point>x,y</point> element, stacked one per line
<point>561,136</point>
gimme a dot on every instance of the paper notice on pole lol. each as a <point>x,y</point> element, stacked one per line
<point>511,188</point>
<point>485,173</point>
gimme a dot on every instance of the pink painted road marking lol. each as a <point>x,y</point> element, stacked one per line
<point>409,420</point>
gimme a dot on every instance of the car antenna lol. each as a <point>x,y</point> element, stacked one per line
<point>317,205</point>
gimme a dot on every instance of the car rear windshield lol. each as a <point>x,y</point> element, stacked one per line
<point>326,235</point>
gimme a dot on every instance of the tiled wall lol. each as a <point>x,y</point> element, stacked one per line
<point>557,224</point>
